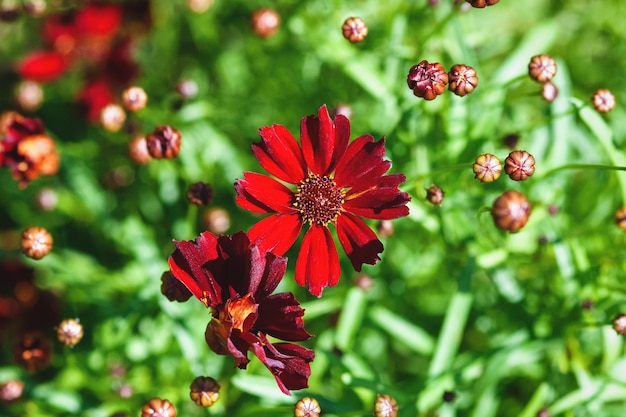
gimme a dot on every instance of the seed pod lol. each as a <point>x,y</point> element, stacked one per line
<point>36,242</point>
<point>173,289</point>
<point>134,98</point>
<point>619,324</point>
<point>487,168</point>
<point>187,89</point>
<point>70,332</point>
<point>265,22</point>
<point>427,80</point>
<point>112,117</point>
<point>519,165</point>
<point>385,406</point>
<point>511,211</point>
<point>138,150</point>
<point>603,100</point>
<point>434,195</point>
<point>11,391</point>
<point>46,199</point>
<point>33,351</point>
<point>354,29</point>
<point>29,95</point>
<point>307,407</point>
<point>549,92</point>
<point>463,79</point>
<point>157,407</point>
<point>200,194</point>
<point>542,68</point>
<point>620,218</point>
<point>448,396</point>
<point>482,3</point>
<point>216,220</point>
<point>164,142</point>
<point>204,391</point>
<point>510,140</point>
<point>384,228</point>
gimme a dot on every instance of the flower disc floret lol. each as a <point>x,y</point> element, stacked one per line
<point>318,200</point>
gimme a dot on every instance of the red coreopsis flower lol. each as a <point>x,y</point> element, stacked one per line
<point>236,279</point>
<point>335,182</point>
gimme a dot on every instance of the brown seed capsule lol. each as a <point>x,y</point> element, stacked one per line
<point>265,22</point>
<point>385,228</point>
<point>216,220</point>
<point>511,211</point>
<point>603,100</point>
<point>519,165</point>
<point>138,150</point>
<point>11,391</point>
<point>542,68</point>
<point>69,332</point>
<point>307,407</point>
<point>487,168</point>
<point>157,407</point>
<point>354,29</point>
<point>620,218</point>
<point>134,98</point>
<point>200,194</point>
<point>619,324</point>
<point>29,95</point>
<point>463,79</point>
<point>36,242</point>
<point>33,351</point>
<point>385,406</point>
<point>204,391</point>
<point>173,289</point>
<point>549,92</point>
<point>427,80</point>
<point>164,142</point>
<point>434,195</point>
<point>112,117</point>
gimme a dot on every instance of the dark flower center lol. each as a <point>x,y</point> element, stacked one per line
<point>318,199</point>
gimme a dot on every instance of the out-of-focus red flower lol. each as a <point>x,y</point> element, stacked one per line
<point>236,279</point>
<point>336,183</point>
<point>94,97</point>
<point>43,66</point>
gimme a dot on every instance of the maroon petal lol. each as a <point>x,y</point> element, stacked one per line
<point>262,194</point>
<point>342,137</point>
<point>187,265</point>
<point>280,154</point>
<point>275,267</point>
<point>363,159</point>
<point>43,66</point>
<point>276,233</point>
<point>317,135</point>
<point>358,240</point>
<point>317,266</point>
<point>378,198</point>
<point>280,316</point>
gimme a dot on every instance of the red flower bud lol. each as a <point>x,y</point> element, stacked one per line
<point>427,80</point>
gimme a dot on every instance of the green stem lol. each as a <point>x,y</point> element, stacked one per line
<point>433,172</point>
<point>584,166</point>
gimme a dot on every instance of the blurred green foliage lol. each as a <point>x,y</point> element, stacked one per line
<point>455,304</point>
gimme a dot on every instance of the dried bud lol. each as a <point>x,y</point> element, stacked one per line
<point>463,80</point>
<point>164,142</point>
<point>448,396</point>
<point>33,351</point>
<point>112,117</point>
<point>204,391</point>
<point>487,168</point>
<point>307,407</point>
<point>542,68</point>
<point>265,22</point>
<point>216,220</point>
<point>619,324</point>
<point>519,165</point>
<point>36,242</point>
<point>354,29</point>
<point>187,89</point>
<point>510,211</point>
<point>69,332</point>
<point>549,92</point>
<point>510,140</point>
<point>603,100</point>
<point>200,6</point>
<point>427,80</point>
<point>157,407</point>
<point>173,289</point>
<point>29,95</point>
<point>134,98</point>
<point>200,194</point>
<point>434,195</point>
<point>384,228</point>
<point>482,3</point>
<point>11,391</point>
<point>138,150</point>
<point>385,406</point>
<point>46,199</point>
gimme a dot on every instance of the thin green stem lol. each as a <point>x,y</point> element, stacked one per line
<point>583,166</point>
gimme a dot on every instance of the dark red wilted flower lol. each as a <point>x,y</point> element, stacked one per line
<point>336,183</point>
<point>236,279</point>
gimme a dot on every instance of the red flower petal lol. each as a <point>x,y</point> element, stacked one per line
<point>98,19</point>
<point>317,266</point>
<point>262,194</point>
<point>280,316</point>
<point>322,145</point>
<point>266,272</point>
<point>94,97</point>
<point>378,198</point>
<point>280,154</point>
<point>42,66</point>
<point>276,233</point>
<point>363,159</point>
<point>358,240</point>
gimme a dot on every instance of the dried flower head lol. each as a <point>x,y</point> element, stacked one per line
<point>164,142</point>
<point>434,195</point>
<point>427,80</point>
<point>620,217</point>
<point>158,407</point>
<point>200,193</point>
<point>307,407</point>
<point>33,351</point>
<point>112,117</point>
<point>138,150</point>
<point>354,29</point>
<point>482,3</point>
<point>11,391</point>
<point>603,100</point>
<point>265,22</point>
<point>36,242</point>
<point>487,168</point>
<point>519,165</point>
<point>29,95</point>
<point>134,98</point>
<point>385,406</point>
<point>204,391</point>
<point>70,332</point>
<point>511,211</point>
<point>173,289</point>
<point>542,68</point>
<point>549,92</point>
<point>619,324</point>
<point>463,79</point>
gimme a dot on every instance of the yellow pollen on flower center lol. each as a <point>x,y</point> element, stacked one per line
<point>318,200</point>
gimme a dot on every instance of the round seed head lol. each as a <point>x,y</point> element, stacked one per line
<point>384,228</point>
<point>542,68</point>
<point>164,142</point>
<point>354,29</point>
<point>549,92</point>
<point>519,165</point>
<point>173,289</point>
<point>70,332</point>
<point>603,100</point>
<point>511,211</point>
<point>619,324</point>
<point>463,79</point>
<point>385,406</point>
<point>307,407</point>
<point>427,80</point>
<point>11,391</point>
<point>216,220</point>
<point>434,195</point>
<point>158,407</point>
<point>265,22</point>
<point>204,391</point>
<point>112,117</point>
<point>487,168</point>
<point>138,150</point>
<point>200,193</point>
<point>29,95</point>
<point>33,351</point>
<point>36,242</point>
<point>134,98</point>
